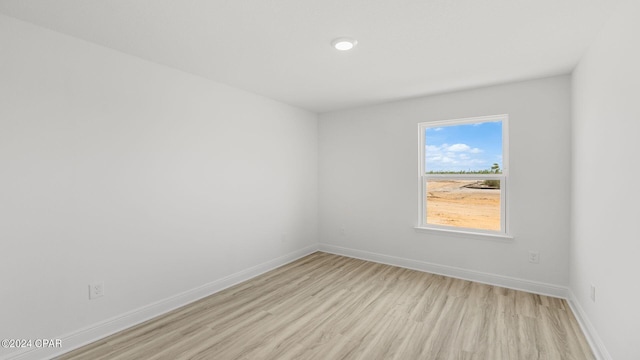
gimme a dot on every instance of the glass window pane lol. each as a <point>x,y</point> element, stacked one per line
<point>473,204</point>
<point>467,148</point>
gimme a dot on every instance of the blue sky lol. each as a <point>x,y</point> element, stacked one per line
<point>463,147</point>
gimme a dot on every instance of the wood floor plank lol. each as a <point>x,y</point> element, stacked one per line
<point>325,306</point>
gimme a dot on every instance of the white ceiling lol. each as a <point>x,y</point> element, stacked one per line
<point>281,48</point>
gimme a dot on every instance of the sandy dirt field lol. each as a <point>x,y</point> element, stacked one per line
<point>450,203</point>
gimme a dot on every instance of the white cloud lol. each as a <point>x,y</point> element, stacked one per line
<point>454,157</point>
<point>459,147</point>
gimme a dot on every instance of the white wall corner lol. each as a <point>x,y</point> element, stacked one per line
<point>589,331</point>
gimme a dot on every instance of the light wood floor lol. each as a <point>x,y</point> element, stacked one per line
<point>325,306</point>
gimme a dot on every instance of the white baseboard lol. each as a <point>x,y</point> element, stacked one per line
<point>108,327</point>
<point>597,346</point>
<point>595,342</point>
<point>451,271</point>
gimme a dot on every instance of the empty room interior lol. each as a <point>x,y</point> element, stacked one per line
<point>297,179</point>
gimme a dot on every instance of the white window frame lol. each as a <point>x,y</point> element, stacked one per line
<point>423,177</point>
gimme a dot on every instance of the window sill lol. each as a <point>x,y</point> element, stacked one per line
<point>464,234</point>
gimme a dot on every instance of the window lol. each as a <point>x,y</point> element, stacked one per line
<point>463,175</point>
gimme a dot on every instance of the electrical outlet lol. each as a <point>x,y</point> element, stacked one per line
<point>592,294</point>
<point>96,290</point>
<point>534,257</point>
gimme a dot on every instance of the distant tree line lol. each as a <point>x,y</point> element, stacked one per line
<point>495,169</point>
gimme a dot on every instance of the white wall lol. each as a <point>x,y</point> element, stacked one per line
<point>368,181</point>
<point>606,193</point>
<point>154,181</point>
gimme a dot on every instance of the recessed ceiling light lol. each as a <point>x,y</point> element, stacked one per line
<point>344,44</point>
